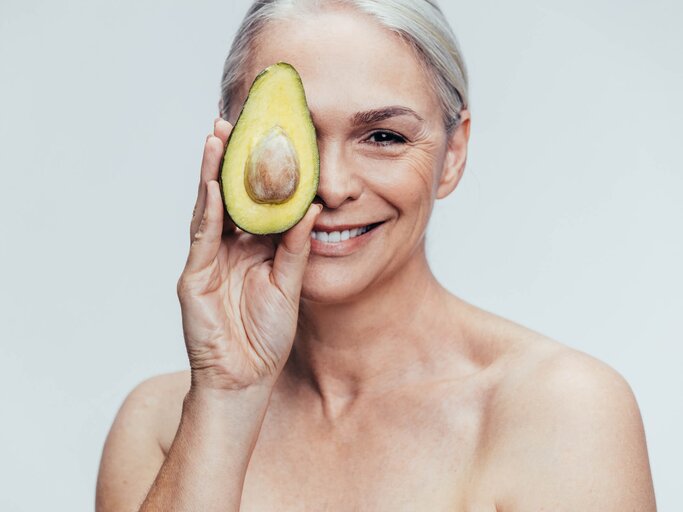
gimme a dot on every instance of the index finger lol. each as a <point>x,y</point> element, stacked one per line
<point>210,170</point>
<point>213,150</point>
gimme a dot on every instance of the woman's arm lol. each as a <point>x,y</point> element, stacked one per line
<point>206,462</point>
<point>208,459</point>
<point>239,300</point>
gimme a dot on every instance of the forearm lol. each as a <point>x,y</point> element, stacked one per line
<point>207,462</point>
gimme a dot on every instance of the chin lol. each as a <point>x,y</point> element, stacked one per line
<point>327,285</point>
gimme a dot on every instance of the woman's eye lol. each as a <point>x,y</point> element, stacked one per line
<point>385,138</point>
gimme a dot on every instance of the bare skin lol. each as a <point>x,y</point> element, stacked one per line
<point>396,395</point>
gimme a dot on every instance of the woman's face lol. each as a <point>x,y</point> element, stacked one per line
<point>384,152</point>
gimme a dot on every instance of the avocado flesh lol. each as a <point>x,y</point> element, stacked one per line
<point>271,168</point>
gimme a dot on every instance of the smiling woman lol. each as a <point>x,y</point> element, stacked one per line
<point>329,369</point>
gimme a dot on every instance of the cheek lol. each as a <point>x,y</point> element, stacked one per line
<point>407,182</point>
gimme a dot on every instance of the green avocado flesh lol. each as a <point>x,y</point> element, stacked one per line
<point>271,166</point>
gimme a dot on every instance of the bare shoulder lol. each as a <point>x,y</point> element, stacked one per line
<point>161,397</point>
<point>560,379</point>
<point>564,432</point>
<point>157,390</point>
<point>138,441</point>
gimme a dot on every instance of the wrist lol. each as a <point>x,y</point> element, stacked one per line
<point>249,400</point>
<point>226,382</point>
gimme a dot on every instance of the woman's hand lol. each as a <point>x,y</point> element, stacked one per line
<point>239,293</point>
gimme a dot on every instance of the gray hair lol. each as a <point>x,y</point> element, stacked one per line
<point>420,23</point>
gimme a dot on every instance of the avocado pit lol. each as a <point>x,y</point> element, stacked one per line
<point>272,169</point>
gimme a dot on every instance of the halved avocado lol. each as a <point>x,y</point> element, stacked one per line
<point>271,165</point>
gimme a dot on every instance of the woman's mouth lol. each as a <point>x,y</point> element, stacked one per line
<point>341,242</point>
<point>340,236</point>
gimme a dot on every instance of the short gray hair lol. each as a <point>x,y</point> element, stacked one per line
<point>420,23</point>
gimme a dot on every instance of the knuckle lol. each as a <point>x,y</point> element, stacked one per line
<point>205,220</point>
<point>184,287</point>
<point>181,286</point>
<point>199,232</point>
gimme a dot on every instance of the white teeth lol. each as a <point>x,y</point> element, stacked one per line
<point>338,236</point>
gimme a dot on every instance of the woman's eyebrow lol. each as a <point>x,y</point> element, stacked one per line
<point>380,114</point>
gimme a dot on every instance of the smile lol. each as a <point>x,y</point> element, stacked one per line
<point>340,236</point>
<point>342,242</point>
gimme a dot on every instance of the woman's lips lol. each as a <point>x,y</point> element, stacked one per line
<point>345,247</point>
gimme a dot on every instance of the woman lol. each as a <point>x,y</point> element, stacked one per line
<point>341,375</point>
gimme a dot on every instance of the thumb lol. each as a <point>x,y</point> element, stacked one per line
<point>291,255</point>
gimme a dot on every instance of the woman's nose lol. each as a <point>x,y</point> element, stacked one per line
<point>338,181</point>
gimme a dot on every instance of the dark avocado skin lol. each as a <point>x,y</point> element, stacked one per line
<point>295,220</point>
<point>220,180</point>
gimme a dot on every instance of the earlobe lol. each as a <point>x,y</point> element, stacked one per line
<point>456,157</point>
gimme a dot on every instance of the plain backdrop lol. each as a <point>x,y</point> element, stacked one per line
<point>568,220</point>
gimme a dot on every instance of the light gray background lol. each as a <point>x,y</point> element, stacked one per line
<point>568,219</point>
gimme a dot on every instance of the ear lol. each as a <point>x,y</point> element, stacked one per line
<point>456,156</point>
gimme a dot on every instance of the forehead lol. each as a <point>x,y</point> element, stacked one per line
<point>348,63</point>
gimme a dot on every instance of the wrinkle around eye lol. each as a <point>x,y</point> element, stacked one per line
<point>418,155</point>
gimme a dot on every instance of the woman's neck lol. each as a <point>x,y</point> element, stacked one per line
<point>395,333</point>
